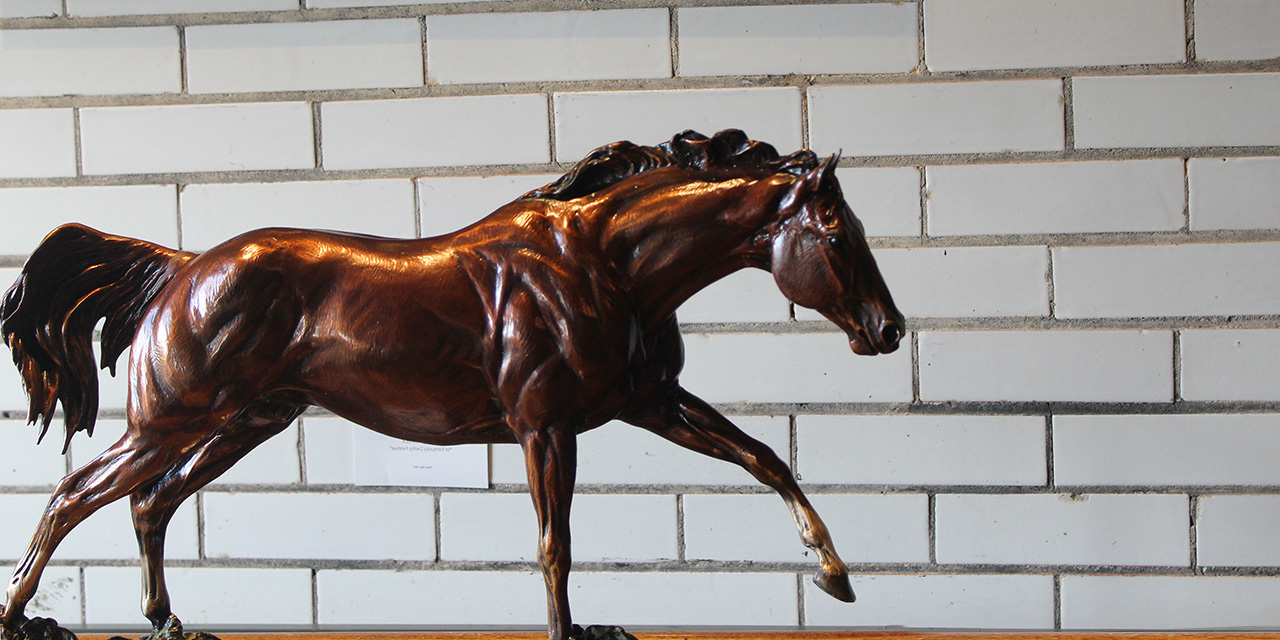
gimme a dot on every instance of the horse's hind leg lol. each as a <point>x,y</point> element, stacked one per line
<point>692,423</point>
<point>154,504</point>
<point>115,473</point>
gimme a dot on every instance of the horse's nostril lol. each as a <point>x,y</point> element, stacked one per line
<point>890,333</point>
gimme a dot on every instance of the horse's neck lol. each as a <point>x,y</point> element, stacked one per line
<point>672,240</point>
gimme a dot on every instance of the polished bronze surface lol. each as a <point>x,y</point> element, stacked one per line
<point>552,316</point>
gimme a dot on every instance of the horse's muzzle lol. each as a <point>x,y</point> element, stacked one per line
<point>883,339</point>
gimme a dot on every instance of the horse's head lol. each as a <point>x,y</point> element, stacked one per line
<point>820,260</point>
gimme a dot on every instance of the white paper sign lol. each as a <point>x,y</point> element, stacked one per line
<point>383,461</point>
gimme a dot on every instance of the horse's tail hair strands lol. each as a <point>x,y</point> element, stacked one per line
<point>74,278</point>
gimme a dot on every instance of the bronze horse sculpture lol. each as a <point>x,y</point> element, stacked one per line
<point>549,317</point>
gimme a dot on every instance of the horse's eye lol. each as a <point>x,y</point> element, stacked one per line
<point>835,241</point>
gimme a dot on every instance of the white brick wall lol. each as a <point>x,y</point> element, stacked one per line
<point>1230,365</point>
<point>1055,197</point>
<point>1081,529</point>
<point>1168,602</point>
<point>1040,365</point>
<point>1075,203</point>
<point>963,35</point>
<point>317,55</point>
<point>89,61</point>
<point>1237,29</point>
<point>947,117</point>
<point>921,450</point>
<point>564,45</point>
<point>1175,111</point>
<point>1234,193</point>
<point>973,601</point>
<point>213,213</point>
<point>404,133</point>
<point>206,137</point>
<point>584,119</point>
<point>860,38</point>
<point>37,143</point>
<point>1166,450</point>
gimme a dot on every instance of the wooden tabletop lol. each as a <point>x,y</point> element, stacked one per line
<point>751,635</point>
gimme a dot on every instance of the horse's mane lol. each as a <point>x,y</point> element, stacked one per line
<point>730,149</point>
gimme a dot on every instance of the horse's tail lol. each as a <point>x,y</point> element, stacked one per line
<point>75,277</point>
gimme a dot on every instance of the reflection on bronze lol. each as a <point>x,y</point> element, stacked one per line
<point>550,317</point>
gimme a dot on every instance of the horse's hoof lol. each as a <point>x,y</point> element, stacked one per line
<point>172,630</point>
<point>600,632</point>
<point>836,585</point>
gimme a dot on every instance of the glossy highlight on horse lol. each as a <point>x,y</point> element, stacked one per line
<point>552,316</point>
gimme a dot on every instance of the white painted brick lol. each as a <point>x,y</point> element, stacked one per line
<point>796,367</point>
<point>1091,529</point>
<point>204,596</point>
<point>55,62</point>
<point>967,282</point>
<point>749,295</point>
<point>204,137</point>
<point>618,453</point>
<point>1231,365</point>
<point>290,56</point>
<point>1047,366</point>
<point>941,117</point>
<point>85,447</point>
<point>1238,531</point>
<point>1176,111</point>
<point>1055,197</point>
<point>1170,280</point>
<point>328,526</point>
<point>58,597</point>
<point>147,212</point>
<point>816,39</point>
<point>921,450</point>
<point>13,396</point>
<point>30,8</point>
<point>113,391</point>
<point>25,464</point>
<point>213,213</point>
<point>585,121</point>
<point>1166,450</point>
<point>324,4</point>
<point>432,598</point>
<point>962,35</point>
<point>1169,602</point>
<point>85,8</point>
<point>1234,193</point>
<point>937,601</point>
<point>106,535</point>
<point>685,599</point>
<point>272,462</point>
<point>502,129</point>
<point>449,204</point>
<point>327,450</point>
<point>759,528</point>
<point>886,200</point>
<point>1237,29</point>
<point>37,142</point>
<point>606,528</point>
<point>548,46</point>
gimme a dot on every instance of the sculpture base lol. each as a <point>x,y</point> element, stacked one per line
<point>48,629</point>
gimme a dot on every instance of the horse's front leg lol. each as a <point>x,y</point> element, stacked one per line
<point>688,421</point>
<point>551,458</point>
